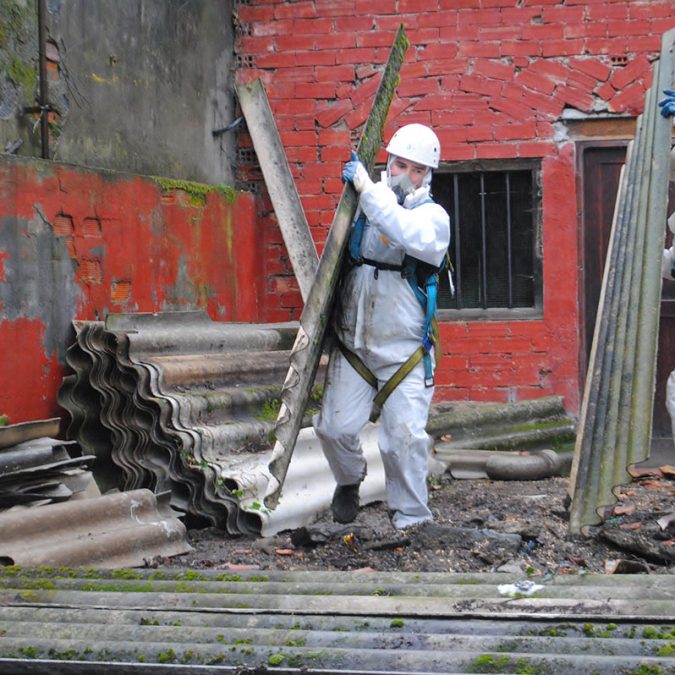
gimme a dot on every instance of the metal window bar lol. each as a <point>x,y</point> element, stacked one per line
<point>458,239</point>
<point>509,260</point>
<point>483,290</point>
<point>483,276</point>
<point>536,275</point>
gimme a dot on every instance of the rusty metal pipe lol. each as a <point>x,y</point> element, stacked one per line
<point>43,99</point>
<point>535,466</point>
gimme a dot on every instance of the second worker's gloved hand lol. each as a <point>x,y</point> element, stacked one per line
<point>667,104</point>
<point>356,174</point>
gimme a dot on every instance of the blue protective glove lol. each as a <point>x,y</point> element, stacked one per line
<point>667,104</point>
<point>356,174</point>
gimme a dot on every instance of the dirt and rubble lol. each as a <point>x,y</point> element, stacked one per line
<point>479,526</point>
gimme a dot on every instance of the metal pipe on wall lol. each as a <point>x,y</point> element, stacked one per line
<point>43,101</point>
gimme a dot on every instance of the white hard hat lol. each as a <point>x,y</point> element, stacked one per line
<point>416,143</point>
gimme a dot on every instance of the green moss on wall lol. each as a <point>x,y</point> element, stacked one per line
<point>22,75</point>
<point>18,48</point>
<point>196,192</point>
<point>15,22</point>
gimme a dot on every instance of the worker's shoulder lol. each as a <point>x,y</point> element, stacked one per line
<point>433,207</point>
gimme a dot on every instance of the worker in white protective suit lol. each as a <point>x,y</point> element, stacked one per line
<point>668,260</point>
<point>380,323</point>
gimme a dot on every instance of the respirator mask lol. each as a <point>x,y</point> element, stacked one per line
<point>401,186</point>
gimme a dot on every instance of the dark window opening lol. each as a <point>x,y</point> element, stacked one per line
<point>493,247</point>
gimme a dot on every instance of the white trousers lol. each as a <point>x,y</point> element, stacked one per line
<point>403,441</point>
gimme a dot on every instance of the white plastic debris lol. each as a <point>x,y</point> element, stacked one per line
<point>526,587</point>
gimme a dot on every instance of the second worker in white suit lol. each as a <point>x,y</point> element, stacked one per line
<point>382,320</point>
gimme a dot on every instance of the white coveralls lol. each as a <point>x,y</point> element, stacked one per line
<point>382,322</point>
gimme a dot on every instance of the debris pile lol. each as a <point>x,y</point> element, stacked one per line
<point>36,469</point>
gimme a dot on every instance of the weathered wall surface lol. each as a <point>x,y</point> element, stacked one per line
<point>18,76</point>
<point>135,86</point>
<point>496,79</point>
<point>77,243</point>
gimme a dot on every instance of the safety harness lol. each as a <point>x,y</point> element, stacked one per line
<point>423,279</point>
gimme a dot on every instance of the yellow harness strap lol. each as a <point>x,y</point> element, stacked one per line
<point>393,382</point>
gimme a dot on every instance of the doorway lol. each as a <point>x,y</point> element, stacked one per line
<point>599,173</point>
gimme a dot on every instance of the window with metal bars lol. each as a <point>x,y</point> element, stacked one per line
<point>494,248</point>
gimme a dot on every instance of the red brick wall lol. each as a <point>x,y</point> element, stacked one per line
<point>492,77</point>
<point>78,243</point>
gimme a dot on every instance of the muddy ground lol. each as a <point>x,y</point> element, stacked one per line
<point>479,526</point>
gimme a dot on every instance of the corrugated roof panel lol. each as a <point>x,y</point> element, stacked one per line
<point>41,470</point>
<point>33,454</point>
<point>615,424</point>
<point>13,434</point>
<point>124,529</point>
<point>179,403</point>
<point>330,622</point>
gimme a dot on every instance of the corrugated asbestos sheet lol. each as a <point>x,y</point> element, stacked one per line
<point>37,469</point>
<point>279,182</point>
<point>41,471</point>
<point>13,434</point>
<point>176,402</point>
<point>318,308</point>
<point>52,513</point>
<point>64,621</point>
<point>124,529</point>
<point>615,424</point>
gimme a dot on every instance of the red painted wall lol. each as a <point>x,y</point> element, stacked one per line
<point>78,243</point>
<point>492,77</point>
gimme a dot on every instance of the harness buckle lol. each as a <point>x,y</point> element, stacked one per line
<point>428,382</point>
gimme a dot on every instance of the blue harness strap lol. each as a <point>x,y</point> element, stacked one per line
<point>356,238</point>
<point>428,301</point>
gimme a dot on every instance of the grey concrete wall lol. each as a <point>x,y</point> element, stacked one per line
<point>138,85</point>
<point>18,76</point>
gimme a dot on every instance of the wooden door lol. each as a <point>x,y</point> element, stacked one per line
<point>600,170</point>
<point>599,173</point>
